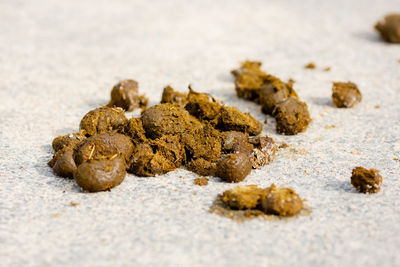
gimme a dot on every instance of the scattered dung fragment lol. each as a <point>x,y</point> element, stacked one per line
<point>273,92</point>
<point>283,145</point>
<point>281,201</point>
<point>169,95</point>
<point>330,126</point>
<point>125,95</point>
<point>249,79</point>
<point>366,181</point>
<point>243,197</point>
<point>292,116</point>
<point>327,69</point>
<point>248,202</point>
<point>102,146</point>
<point>74,204</point>
<point>345,94</point>
<point>103,119</point>
<point>233,168</point>
<point>389,28</point>
<point>310,65</point>
<point>264,151</point>
<point>200,181</point>
<point>100,175</point>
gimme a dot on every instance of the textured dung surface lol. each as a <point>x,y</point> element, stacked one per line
<point>60,59</point>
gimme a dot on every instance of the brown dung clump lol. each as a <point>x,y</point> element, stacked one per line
<point>366,181</point>
<point>292,116</point>
<point>70,140</point>
<point>102,120</point>
<point>264,151</point>
<point>235,142</point>
<point>168,119</point>
<point>169,95</point>
<point>389,28</point>
<point>134,129</point>
<point>231,119</point>
<point>233,168</point>
<point>192,130</point>
<point>203,143</point>
<point>270,92</point>
<point>102,146</point>
<point>100,175</point>
<point>252,201</point>
<point>203,106</point>
<point>63,162</point>
<point>144,162</point>
<point>125,95</point>
<point>249,79</point>
<point>273,92</point>
<point>243,197</point>
<point>281,201</point>
<point>345,94</point>
<point>260,149</point>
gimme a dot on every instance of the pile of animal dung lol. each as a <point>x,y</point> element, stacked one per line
<point>191,129</point>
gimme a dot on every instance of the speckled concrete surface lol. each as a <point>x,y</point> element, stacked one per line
<point>59,59</point>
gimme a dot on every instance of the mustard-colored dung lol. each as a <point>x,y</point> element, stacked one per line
<point>345,94</point>
<point>389,28</point>
<point>283,202</point>
<point>366,181</point>
<point>276,98</point>
<point>193,130</point>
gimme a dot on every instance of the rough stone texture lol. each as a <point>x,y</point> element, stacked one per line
<point>59,59</point>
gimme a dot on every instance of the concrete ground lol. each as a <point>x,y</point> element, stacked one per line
<point>59,59</point>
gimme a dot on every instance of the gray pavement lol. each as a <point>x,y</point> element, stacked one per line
<point>59,59</point>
